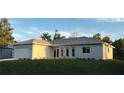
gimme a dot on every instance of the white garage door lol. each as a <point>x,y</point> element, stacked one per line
<point>22,53</point>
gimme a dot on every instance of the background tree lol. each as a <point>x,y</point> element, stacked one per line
<point>46,36</point>
<point>107,39</point>
<point>6,37</point>
<point>97,37</point>
<point>75,34</point>
<point>57,35</point>
<point>119,48</point>
<point>62,37</point>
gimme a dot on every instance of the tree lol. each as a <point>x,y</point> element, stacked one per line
<point>97,37</point>
<point>6,37</point>
<point>119,48</point>
<point>57,35</point>
<point>46,36</point>
<point>75,34</point>
<point>62,37</point>
<point>106,39</point>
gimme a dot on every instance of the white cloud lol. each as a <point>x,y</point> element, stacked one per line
<point>69,33</point>
<point>29,32</point>
<point>38,31</point>
<point>65,33</point>
<point>62,32</point>
<point>34,28</point>
<point>110,19</point>
<point>17,35</point>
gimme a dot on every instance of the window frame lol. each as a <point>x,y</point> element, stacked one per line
<point>85,49</point>
<point>62,51</point>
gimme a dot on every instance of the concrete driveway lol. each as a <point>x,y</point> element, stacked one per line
<point>8,59</point>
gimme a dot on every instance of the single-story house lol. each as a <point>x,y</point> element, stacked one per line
<point>82,47</point>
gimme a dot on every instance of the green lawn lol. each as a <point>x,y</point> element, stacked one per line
<point>62,67</point>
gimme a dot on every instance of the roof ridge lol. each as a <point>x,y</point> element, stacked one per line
<point>78,38</point>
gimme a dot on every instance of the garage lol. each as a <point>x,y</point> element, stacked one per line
<point>22,49</point>
<point>33,49</point>
<point>22,53</point>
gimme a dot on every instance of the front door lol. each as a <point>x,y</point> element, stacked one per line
<point>54,53</point>
<point>57,52</point>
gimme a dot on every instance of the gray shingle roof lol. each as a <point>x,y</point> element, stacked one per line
<point>75,41</point>
<point>33,41</point>
<point>67,41</point>
<point>58,42</point>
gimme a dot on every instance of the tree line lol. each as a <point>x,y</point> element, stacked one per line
<point>48,37</point>
<point>6,38</point>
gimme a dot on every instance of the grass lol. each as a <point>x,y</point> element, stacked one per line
<point>62,67</point>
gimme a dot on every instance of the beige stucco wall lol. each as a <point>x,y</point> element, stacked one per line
<point>107,51</point>
<point>41,51</point>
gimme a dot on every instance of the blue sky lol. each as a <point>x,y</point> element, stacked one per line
<point>28,28</point>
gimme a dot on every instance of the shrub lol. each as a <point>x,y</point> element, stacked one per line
<point>24,59</point>
<point>79,58</point>
<point>88,58</point>
<point>93,58</point>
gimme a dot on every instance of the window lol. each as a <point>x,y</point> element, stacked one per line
<point>57,52</point>
<point>61,51</point>
<point>86,49</point>
<point>73,51</point>
<point>54,52</point>
<point>67,52</point>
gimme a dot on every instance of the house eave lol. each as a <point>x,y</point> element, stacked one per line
<point>108,44</point>
<point>75,44</point>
